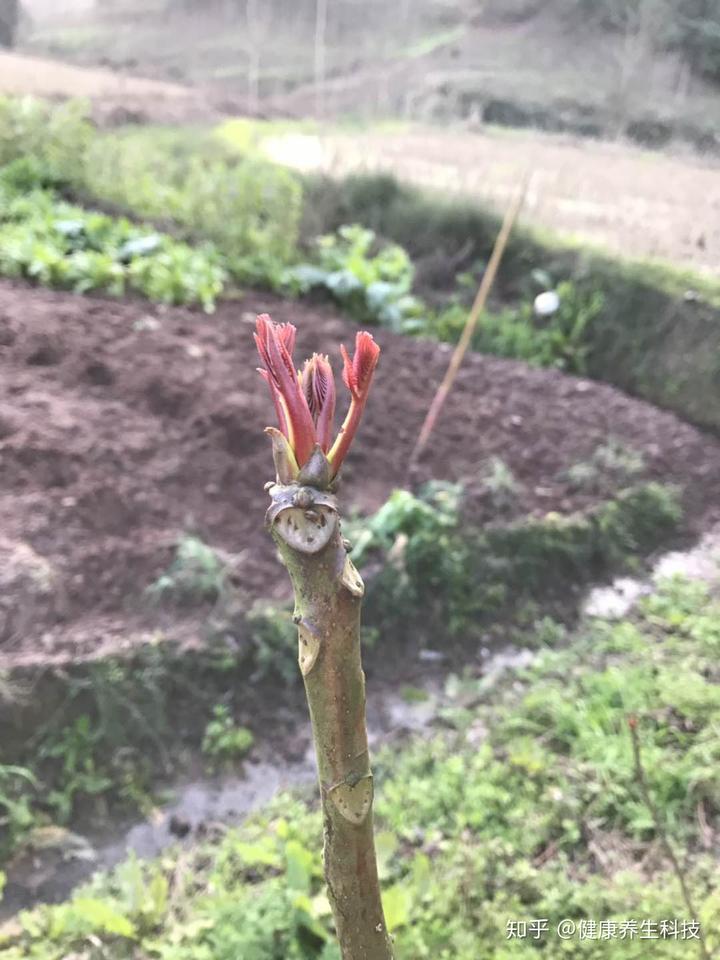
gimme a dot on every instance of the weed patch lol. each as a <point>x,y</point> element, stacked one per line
<point>425,558</point>
<point>539,818</point>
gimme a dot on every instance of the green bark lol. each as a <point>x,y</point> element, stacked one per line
<point>328,595</point>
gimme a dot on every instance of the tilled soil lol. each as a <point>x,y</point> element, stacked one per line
<point>124,425</point>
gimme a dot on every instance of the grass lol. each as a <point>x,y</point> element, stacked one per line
<point>434,41</point>
<point>522,805</point>
<point>110,730</point>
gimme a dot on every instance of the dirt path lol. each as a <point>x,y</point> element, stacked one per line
<point>114,95</point>
<point>634,203</point>
<point>42,77</point>
<point>125,425</point>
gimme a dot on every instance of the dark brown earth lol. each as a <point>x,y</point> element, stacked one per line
<point>124,425</point>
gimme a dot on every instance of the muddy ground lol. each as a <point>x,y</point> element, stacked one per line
<point>124,425</point>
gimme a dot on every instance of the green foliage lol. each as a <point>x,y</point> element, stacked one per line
<point>249,208</point>
<point>439,574</point>
<point>17,791</point>
<point>500,483</point>
<point>196,574</point>
<point>610,465</point>
<point>105,738</point>
<point>252,212</point>
<point>541,818</point>
<point>556,341</point>
<point>223,740</point>
<point>371,281</point>
<point>425,517</point>
<point>130,907</point>
<point>377,289</point>
<point>246,207</point>
<point>78,774</point>
<point>274,641</point>
<point>58,244</point>
<point>54,137</point>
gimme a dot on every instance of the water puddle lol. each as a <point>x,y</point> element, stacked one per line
<point>57,860</point>
<point>613,602</point>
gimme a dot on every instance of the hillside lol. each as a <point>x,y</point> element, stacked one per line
<point>518,64</point>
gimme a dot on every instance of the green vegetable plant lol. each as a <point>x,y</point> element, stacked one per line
<point>58,244</point>
<point>17,788</point>
<point>372,282</point>
<point>304,522</point>
<point>223,740</point>
<point>196,574</point>
<point>55,137</point>
<point>79,771</point>
<point>557,341</point>
<point>249,208</point>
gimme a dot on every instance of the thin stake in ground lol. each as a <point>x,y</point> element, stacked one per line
<point>647,796</point>
<point>463,343</point>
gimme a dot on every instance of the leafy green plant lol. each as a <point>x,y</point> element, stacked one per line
<point>178,274</point>
<point>248,207</point>
<point>223,740</point>
<point>58,244</point>
<point>54,137</point>
<point>426,516</point>
<point>250,210</point>
<point>272,633</point>
<point>196,574</point>
<point>556,341</point>
<point>424,558</point>
<point>129,908</point>
<point>18,787</point>
<point>371,281</point>
<point>610,464</point>
<point>500,483</point>
<point>79,774</point>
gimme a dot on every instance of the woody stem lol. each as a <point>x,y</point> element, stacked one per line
<point>328,596</point>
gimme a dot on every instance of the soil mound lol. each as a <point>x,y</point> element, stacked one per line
<point>125,425</point>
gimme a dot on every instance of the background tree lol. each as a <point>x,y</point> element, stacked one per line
<point>9,19</point>
<point>697,33</point>
<point>252,15</point>
<point>321,12</point>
